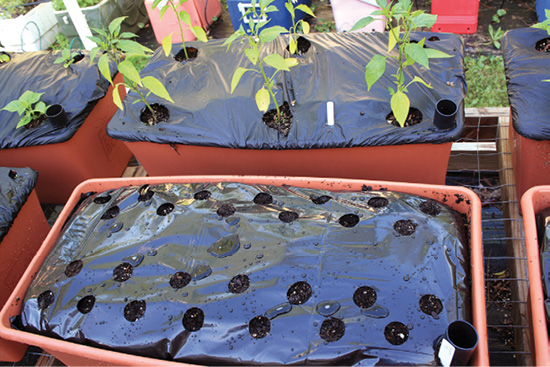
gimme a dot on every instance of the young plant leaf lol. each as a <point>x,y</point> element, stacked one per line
<point>15,106</point>
<point>199,33</point>
<point>290,9</point>
<point>30,97</point>
<point>25,119</point>
<point>305,27</point>
<point>163,10</point>
<point>375,69</point>
<point>292,46</point>
<point>417,79</point>
<point>262,99</point>
<point>116,97</point>
<point>424,20</point>
<point>400,105</point>
<point>237,77</point>
<point>156,87</point>
<point>59,60</point>
<point>270,34</point>
<point>185,17</point>
<point>276,61</point>
<point>361,23</point>
<point>306,9</point>
<point>93,54</point>
<point>130,72</point>
<point>436,54</point>
<point>291,61</point>
<point>393,37</point>
<point>103,65</point>
<point>156,3</point>
<point>418,53</point>
<point>253,55</point>
<point>167,44</point>
<point>114,26</point>
<point>128,35</point>
<point>132,47</point>
<point>40,107</point>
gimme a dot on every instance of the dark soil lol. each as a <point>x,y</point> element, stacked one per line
<point>299,293</point>
<point>86,304</point>
<point>78,57</point>
<point>364,297</point>
<point>193,319</point>
<point>35,122</point>
<point>111,213</point>
<point>134,310</point>
<point>145,194</point>
<point>430,207</point>
<point>259,327</point>
<point>161,114</point>
<point>202,195</point>
<point>12,174</point>
<point>73,268</point>
<point>348,220</point>
<point>378,202</point>
<point>288,216</point>
<point>263,198</point>
<point>192,53</point>
<point>396,333</point>
<point>179,279</point>
<point>414,118</point>
<point>123,272</point>
<point>405,227</point>
<point>430,305</point>
<point>281,124</point>
<point>239,283</point>
<point>45,299</point>
<point>102,199</point>
<point>543,45</point>
<point>165,209</point>
<point>332,329</point>
<point>320,200</point>
<point>303,46</point>
<point>226,210</point>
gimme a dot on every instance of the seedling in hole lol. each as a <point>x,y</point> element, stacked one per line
<point>401,20</point>
<point>28,106</point>
<point>257,38</point>
<point>67,57</point>
<point>4,58</point>
<point>293,45</point>
<point>121,49</point>
<point>183,18</point>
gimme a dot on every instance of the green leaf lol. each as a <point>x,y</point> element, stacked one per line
<point>156,87</point>
<point>291,61</point>
<point>306,9</point>
<point>393,38</point>
<point>424,20</point>
<point>40,107</point>
<point>93,54</point>
<point>133,47</point>
<point>156,3</point>
<point>400,106</point>
<point>417,79</point>
<point>232,38</point>
<point>163,10</point>
<point>25,119</point>
<point>128,35</point>
<point>237,77</point>
<point>185,17</point>
<point>167,44</point>
<point>292,46</point>
<point>305,27</point>
<point>361,23</point>
<point>103,65</point>
<point>382,4</point>
<point>270,8</point>
<point>262,99</point>
<point>101,32</point>
<point>30,97</point>
<point>265,3</point>
<point>436,54</point>
<point>418,53</point>
<point>375,69</point>
<point>116,97</point>
<point>59,60</point>
<point>15,106</point>
<point>129,71</point>
<point>276,61</point>
<point>199,33</point>
<point>270,34</point>
<point>290,9</point>
<point>253,55</point>
<point>95,39</point>
<point>114,26</point>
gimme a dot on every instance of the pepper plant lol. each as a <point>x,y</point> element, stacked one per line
<point>184,22</point>
<point>28,106</point>
<point>293,44</point>
<point>120,48</point>
<point>401,20</point>
<point>259,36</point>
<point>67,57</point>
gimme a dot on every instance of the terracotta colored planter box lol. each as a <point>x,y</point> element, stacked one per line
<point>533,202</point>
<point>90,153</point>
<point>75,354</point>
<point>17,249</point>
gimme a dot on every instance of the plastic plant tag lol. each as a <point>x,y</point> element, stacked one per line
<point>446,353</point>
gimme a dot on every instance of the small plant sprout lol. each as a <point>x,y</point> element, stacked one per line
<point>184,22</point>
<point>401,20</point>
<point>28,106</point>
<point>545,24</point>
<point>67,57</point>
<point>293,45</point>
<point>119,48</point>
<point>496,36</point>
<point>258,37</point>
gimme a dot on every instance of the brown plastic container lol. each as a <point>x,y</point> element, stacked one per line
<point>16,252</point>
<point>533,202</point>
<point>75,354</point>
<point>90,153</point>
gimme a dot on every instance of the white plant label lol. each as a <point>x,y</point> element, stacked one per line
<point>446,353</point>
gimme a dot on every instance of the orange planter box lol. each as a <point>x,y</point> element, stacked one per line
<point>90,153</point>
<point>533,202</point>
<point>17,249</point>
<point>76,354</point>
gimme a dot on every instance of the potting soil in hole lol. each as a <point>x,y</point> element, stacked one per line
<point>332,283</point>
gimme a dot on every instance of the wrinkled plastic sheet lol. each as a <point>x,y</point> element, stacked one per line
<point>16,184</point>
<point>77,88</point>
<point>315,248</point>
<point>543,224</point>
<point>205,113</point>
<point>526,68</point>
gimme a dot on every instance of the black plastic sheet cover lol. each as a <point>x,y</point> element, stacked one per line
<point>543,226</point>
<point>205,113</point>
<point>77,88</point>
<point>526,68</point>
<point>16,184</point>
<point>240,253</point>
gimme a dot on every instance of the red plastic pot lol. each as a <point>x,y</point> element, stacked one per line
<point>533,202</point>
<point>424,163</point>
<point>75,354</point>
<point>455,16</point>
<point>16,252</point>
<point>88,154</point>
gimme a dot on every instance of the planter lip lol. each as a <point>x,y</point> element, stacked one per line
<point>525,69</point>
<point>88,8</point>
<point>471,206</point>
<point>205,113</point>
<point>530,204</point>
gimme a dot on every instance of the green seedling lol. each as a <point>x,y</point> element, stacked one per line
<point>184,22</point>
<point>256,39</point>
<point>4,58</point>
<point>67,57</point>
<point>496,36</point>
<point>293,44</point>
<point>499,14</point>
<point>401,20</point>
<point>28,106</point>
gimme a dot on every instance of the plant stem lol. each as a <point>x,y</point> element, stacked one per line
<point>171,2</point>
<point>146,103</point>
<point>270,90</point>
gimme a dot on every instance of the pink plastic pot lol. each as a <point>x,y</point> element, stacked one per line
<point>348,12</point>
<point>75,354</point>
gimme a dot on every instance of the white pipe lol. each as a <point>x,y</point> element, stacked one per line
<point>330,113</point>
<point>79,22</point>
